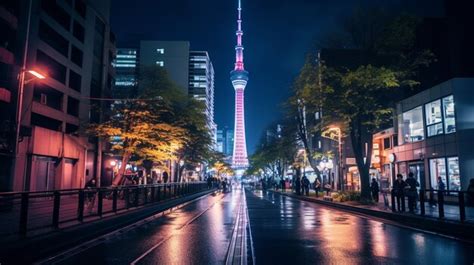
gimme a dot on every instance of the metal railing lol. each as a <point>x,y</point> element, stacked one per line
<point>23,212</point>
<point>450,204</point>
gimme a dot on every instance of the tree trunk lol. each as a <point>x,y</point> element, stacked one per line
<point>119,178</point>
<point>358,135</point>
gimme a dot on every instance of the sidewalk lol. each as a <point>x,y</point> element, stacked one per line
<point>451,212</point>
<point>449,226</point>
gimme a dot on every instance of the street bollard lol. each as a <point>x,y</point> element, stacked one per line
<point>56,205</point>
<point>80,206</point>
<point>462,209</point>
<point>422,202</point>
<point>441,204</point>
<point>393,202</point>
<point>25,197</point>
<point>114,200</point>
<point>99,202</point>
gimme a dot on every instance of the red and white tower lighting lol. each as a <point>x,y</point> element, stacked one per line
<point>239,78</point>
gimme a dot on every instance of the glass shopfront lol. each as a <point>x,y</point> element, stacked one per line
<point>448,170</point>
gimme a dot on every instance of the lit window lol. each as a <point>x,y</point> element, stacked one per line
<point>453,173</point>
<point>448,113</point>
<point>410,125</point>
<point>437,169</point>
<point>434,119</point>
<point>160,51</point>
<point>160,63</point>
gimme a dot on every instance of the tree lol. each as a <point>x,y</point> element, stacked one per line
<point>360,95</point>
<point>135,129</point>
<point>183,111</point>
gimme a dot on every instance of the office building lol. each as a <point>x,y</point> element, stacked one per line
<point>70,43</point>
<point>126,78</point>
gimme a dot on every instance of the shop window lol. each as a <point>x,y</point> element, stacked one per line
<point>411,126</point>
<point>449,115</point>
<point>453,173</point>
<point>434,119</point>
<point>437,169</point>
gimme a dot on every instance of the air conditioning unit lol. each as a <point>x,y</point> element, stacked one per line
<point>43,99</point>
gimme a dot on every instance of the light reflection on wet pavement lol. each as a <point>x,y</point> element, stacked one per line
<point>289,231</point>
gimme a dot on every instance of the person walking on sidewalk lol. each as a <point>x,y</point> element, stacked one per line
<point>399,193</point>
<point>305,184</point>
<point>317,186</point>
<point>412,193</point>
<point>298,185</point>
<point>282,184</point>
<point>374,188</point>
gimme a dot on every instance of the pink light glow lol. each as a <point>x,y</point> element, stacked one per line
<point>37,74</point>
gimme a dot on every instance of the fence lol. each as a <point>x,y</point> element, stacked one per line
<point>450,204</point>
<point>25,212</point>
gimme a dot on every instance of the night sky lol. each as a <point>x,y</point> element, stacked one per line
<point>277,35</point>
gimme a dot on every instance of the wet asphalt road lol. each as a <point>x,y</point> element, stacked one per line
<point>198,233</point>
<point>289,231</point>
<point>284,231</point>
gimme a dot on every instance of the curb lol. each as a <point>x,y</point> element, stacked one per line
<point>14,252</point>
<point>446,228</point>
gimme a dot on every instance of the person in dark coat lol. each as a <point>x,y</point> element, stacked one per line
<point>298,185</point>
<point>317,185</point>
<point>399,192</point>
<point>374,188</point>
<point>165,177</point>
<point>411,192</point>
<point>305,184</point>
<point>282,184</point>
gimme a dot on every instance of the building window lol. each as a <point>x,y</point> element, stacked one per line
<point>449,115</point>
<point>434,119</point>
<point>53,39</point>
<point>160,63</point>
<point>74,81</point>
<point>386,143</point>
<point>160,51</point>
<point>78,31</point>
<point>72,106</point>
<point>76,56</point>
<point>80,8</point>
<point>57,13</point>
<point>411,126</point>
<point>55,69</point>
<point>453,173</point>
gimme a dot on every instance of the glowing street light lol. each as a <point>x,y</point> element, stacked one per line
<point>37,74</point>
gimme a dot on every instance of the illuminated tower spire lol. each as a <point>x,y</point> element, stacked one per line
<point>239,78</point>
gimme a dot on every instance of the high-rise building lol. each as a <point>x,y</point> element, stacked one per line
<point>70,43</point>
<point>125,64</point>
<point>201,84</point>
<point>239,78</point>
<point>225,141</point>
<point>172,55</point>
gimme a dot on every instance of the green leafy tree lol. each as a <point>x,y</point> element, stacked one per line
<point>360,96</point>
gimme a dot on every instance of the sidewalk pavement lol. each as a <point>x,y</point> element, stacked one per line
<point>451,212</point>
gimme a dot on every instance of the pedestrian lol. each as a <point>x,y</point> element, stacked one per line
<point>283,184</point>
<point>305,184</point>
<point>441,185</point>
<point>399,193</point>
<point>165,177</point>
<point>209,182</point>
<point>411,191</point>
<point>297,184</point>
<point>90,194</point>
<point>224,186</point>
<point>374,188</point>
<point>317,186</point>
<point>470,193</point>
